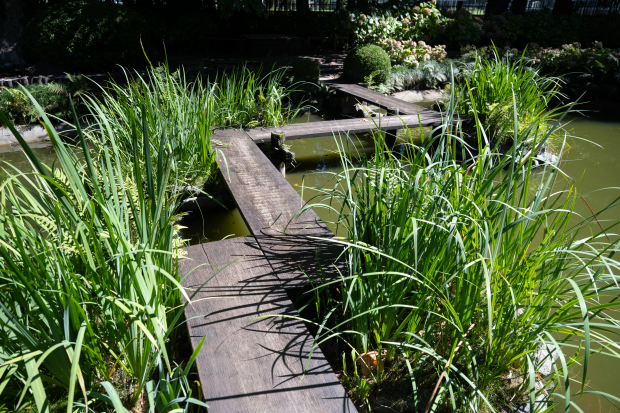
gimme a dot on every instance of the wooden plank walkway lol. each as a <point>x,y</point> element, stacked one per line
<point>256,366</point>
<point>352,126</point>
<point>249,365</point>
<point>268,203</point>
<point>366,95</point>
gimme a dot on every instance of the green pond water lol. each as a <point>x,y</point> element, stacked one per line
<point>595,163</point>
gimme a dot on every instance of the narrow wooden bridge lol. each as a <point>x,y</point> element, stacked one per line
<point>251,364</point>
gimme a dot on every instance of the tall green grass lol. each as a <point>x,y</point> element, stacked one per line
<point>486,88</point>
<point>187,110</point>
<point>464,270</point>
<point>90,293</point>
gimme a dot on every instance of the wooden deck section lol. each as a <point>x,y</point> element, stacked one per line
<point>249,365</point>
<point>366,95</point>
<point>268,205</point>
<point>257,366</point>
<point>352,126</point>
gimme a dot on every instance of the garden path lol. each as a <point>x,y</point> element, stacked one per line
<point>257,365</point>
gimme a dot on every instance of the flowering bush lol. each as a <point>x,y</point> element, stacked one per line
<point>462,27</point>
<point>411,23</point>
<point>400,32</point>
<point>411,52</point>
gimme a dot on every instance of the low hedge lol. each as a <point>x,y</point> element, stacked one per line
<point>306,70</point>
<point>366,60</point>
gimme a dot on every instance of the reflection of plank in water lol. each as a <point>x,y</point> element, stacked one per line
<point>245,365</point>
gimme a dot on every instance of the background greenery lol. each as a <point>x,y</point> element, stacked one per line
<point>87,35</point>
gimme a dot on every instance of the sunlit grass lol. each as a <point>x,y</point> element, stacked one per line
<point>464,270</point>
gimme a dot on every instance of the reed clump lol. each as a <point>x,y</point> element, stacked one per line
<point>488,88</point>
<point>90,286</point>
<point>458,273</point>
<point>90,293</point>
<point>187,110</point>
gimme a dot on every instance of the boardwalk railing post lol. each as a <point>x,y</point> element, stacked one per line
<point>278,155</point>
<point>390,138</point>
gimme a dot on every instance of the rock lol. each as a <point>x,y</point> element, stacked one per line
<point>545,156</point>
<point>419,95</point>
<point>363,111</point>
<point>545,358</point>
<point>539,405</point>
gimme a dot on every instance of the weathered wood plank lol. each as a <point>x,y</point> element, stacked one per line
<point>352,126</point>
<point>268,204</point>
<point>248,365</point>
<point>364,94</point>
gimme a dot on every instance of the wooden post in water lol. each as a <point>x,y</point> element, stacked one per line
<point>390,138</point>
<point>278,156</point>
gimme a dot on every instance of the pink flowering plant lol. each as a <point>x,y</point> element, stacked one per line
<point>462,27</point>
<point>411,23</point>
<point>400,32</point>
<point>412,53</point>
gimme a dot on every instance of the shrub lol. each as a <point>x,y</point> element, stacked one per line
<point>412,53</point>
<point>306,70</point>
<point>429,74</point>
<point>407,23</point>
<point>462,27</point>
<point>86,35</point>
<point>19,109</point>
<point>504,29</point>
<point>366,60</point>
<point>183,33</point>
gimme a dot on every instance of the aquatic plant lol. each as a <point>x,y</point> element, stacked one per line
<point>90,292</point>
<point>186,111</point>
<point>459,273</point>
<point>487,89</point>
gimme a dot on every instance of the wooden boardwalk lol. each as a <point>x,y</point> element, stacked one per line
<point>250,365</point>
<point>352,126</point>
<point>366,95</point>
<point>257,366</point>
